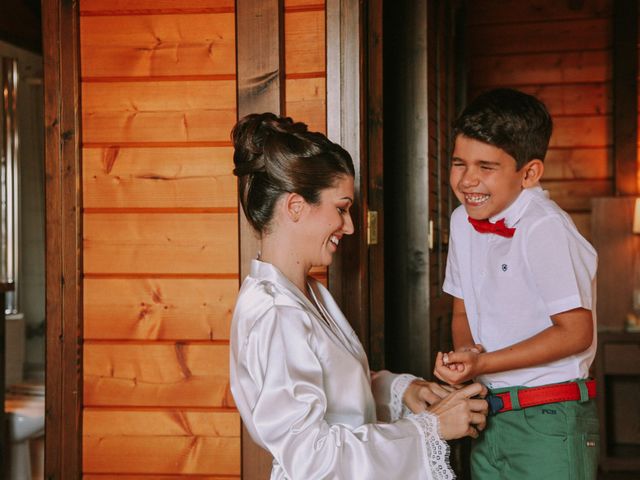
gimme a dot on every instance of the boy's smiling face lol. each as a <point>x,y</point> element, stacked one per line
<point>485,179</point>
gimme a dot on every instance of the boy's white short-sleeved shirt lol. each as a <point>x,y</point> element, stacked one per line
<point>512,286</point>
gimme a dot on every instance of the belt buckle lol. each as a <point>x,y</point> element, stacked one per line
<point>495,404</point>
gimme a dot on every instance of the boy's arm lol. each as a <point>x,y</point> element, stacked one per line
<point>571,333</point>
<point>460,326</point>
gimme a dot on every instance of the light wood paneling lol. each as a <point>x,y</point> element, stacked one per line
<point>127,7</point>
<point>156,374</point>
<point>305,41</point>
<point>165,454</point>
<point>158,309</point>
<point>299,4</point>
<point>172,111</point>
<point>113,422</point>
<point>158,45</point>
<point>160,243</point>
<point>159,177</point>
<point>161,442</point>
<point>121,476</point>
<point>306,102</point>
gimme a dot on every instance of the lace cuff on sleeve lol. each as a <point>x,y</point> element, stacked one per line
<point>398,387</point>
<point>435,450</point>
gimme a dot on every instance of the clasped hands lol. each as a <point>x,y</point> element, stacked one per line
<point>461,411</point>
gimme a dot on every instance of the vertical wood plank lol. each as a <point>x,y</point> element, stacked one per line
<point>375,180</point>
<point>348,279</point>
<point>625,95</point>
<point>63,240</point>
<point>260,76</point>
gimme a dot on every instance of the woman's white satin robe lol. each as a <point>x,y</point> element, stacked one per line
<point>301,381</point>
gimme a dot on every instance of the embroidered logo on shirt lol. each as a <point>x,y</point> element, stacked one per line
<point>505,267</point>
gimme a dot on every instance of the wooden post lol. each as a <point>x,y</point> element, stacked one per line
<point>375,180</point>
<point>260,76</point>
<point>348,274</point>
<point>63,417</point>
<point>625,96</point>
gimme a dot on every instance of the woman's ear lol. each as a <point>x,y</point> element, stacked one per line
<point>294,205</point>
<point>533,171</point>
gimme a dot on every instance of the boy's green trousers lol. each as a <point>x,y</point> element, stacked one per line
<point>556,441</point>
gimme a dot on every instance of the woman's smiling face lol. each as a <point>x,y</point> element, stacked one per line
<point>327,222</point>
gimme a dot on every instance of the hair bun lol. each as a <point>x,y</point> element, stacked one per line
<point>250,135</point>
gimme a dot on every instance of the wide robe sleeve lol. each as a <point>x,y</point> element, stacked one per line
<point>280,382</point>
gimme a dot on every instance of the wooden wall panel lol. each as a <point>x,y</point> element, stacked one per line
<point>137,476</point>
<point>304,33</point>
<point>184,454</point>
<point>158,309</point>
<point>161,243</point>
<point>578,34</point>
<point>562,53</point>
<point>195,442</point>
<point>158,45</point>
<point>156,374</point>
<point>291,5</point>
<point>306,102</point>
<point>514,11</point>
<point>574,162</point>
<point>127,7</point>
<point>160,238</point>
<point>158,111</point>
<point>193,177</point>
<point>540,68</point>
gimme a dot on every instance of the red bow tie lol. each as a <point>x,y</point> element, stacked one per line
<point>499,228</point>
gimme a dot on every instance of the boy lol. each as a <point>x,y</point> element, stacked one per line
<point>523,282</point>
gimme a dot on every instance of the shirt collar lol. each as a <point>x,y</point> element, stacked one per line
<point>514,212</point>
<point>263,271</point>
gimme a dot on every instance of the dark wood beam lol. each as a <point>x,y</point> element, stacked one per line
<point>260,63</point>
<point>625,96</point>
<point>63,417</point>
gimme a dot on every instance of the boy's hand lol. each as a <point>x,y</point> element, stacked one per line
<point>458,367</point>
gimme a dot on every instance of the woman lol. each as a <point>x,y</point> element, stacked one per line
<point>299,375</point>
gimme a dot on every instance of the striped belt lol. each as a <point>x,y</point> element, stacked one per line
<point>530,397</point>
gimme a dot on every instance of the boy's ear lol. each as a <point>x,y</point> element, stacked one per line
<point>294,204</point>
<point>533,171</point>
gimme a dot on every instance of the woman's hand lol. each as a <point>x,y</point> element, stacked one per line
<point>420,394</point>
<point>461,415</point>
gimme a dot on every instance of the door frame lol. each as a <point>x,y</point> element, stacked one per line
<point>63,193</point>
